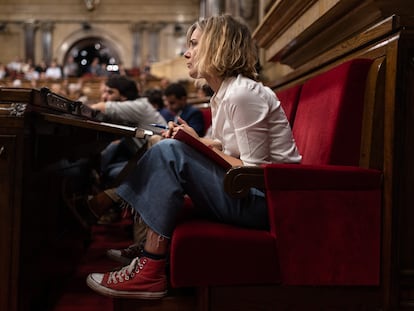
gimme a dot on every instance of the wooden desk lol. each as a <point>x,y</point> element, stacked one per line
<point>31,208</point>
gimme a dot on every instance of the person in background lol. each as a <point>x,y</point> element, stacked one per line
<point>71,68</point>
<point>41,68</point>
<point>15,67</point>
<point>31,74</point>
<point>249,128</point>
<point>121,103</point>
<point>156,98</point>
<point>95,68</point>
<point>176,99</point>
<point>26,66</point>
<point>54,71</point>
<point>205,91</point>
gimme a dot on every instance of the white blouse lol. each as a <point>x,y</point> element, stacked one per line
<point>250,123</point>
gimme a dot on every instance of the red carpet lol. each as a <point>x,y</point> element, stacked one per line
<point>76,295</point>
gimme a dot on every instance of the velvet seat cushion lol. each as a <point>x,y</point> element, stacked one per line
<point>205,253</point>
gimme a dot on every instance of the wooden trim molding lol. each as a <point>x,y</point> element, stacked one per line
<point>294,32</point>
<point>275,24</point>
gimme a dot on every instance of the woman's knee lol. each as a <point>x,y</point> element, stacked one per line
<point>166,145</point>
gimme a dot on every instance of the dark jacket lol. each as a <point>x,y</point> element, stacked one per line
<point>194,117</point>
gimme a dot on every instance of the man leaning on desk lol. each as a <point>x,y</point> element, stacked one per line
<point>120,103</point>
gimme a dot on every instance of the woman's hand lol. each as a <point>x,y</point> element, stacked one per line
<point>173,128</point>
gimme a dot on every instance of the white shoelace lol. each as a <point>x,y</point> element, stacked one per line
<point>127,272</point>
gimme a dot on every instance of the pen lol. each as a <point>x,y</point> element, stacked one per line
<point>165,127</point>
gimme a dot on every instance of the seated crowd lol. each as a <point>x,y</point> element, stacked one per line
<point>27,70</point>
<point>68,79</point>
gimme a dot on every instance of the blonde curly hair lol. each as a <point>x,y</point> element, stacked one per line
<point>225,48</point>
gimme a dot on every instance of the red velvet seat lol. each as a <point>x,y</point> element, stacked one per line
<point>219,254</point>
<point>289,99</point>
<point>324,213</point>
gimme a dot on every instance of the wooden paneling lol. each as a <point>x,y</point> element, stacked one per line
<point>294,37</point>
<point>8,161</point>
<point>11,149</point>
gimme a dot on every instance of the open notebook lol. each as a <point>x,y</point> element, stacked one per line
<point>202,148</point>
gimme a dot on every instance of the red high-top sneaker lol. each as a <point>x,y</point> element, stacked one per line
<point>143,278</point>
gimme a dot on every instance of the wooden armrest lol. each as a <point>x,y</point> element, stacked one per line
<point>238,180</point>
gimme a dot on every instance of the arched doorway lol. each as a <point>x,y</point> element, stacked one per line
<point>85,50</point>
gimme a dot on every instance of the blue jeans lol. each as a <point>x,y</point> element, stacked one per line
<point>114,158</point>
<point>171,169</point>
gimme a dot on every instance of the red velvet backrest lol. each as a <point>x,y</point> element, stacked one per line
<point>289,99</point>
<point>207,118</point>
<point>327,218</point>
<point>328,120</point>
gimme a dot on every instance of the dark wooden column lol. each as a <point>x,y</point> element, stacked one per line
<point>30,28</point>
<point>47,35</point>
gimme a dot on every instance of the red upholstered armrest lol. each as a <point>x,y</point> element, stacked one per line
<point>326,220</point>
